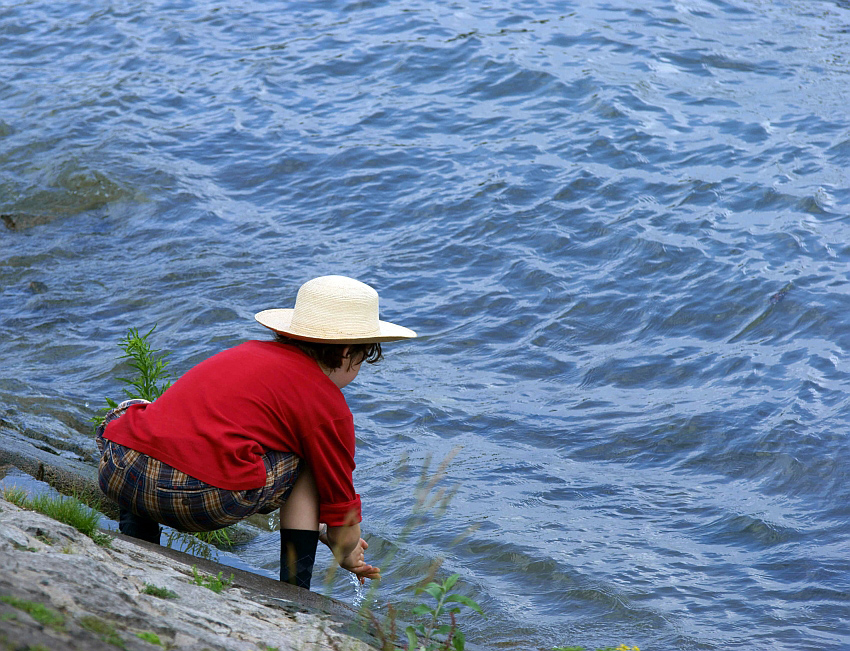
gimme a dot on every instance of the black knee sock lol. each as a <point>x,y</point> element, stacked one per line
<point>297,555</point>
<point>138,526</point>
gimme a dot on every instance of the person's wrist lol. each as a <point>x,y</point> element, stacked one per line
<point>351,560</point>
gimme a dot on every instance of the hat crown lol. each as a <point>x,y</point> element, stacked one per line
<point>327,305</point>
<point>334,309</point>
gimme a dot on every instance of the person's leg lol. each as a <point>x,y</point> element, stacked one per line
<point>116,464</point>
<point>129,523</point>
<point>138,526</point>
<point>299,531</point>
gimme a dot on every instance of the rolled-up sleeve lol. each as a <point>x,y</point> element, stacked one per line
<point>329,451</point>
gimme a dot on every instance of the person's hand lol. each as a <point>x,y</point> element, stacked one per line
<point>356,564</point>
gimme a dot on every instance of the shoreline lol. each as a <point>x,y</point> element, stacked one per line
<point>54,566</point>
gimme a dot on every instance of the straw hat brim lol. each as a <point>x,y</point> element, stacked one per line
<point>280,320</point>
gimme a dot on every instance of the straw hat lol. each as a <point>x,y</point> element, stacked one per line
<point>334,310</point>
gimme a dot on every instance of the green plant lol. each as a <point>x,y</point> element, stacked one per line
<point>15,495</point>
<point>151,638</point>
<point>150,367</point>
<point>197,543</point>
<point>151,378</point>
<point>435,633</point>
<point>43,537</point>
<point>40,613</point>
<point>69,510</point>
<point>202,544</point>
<point>156,591</point>
<point>104,629</point>
<point>218,538</point>
<point>215,583</point>
<point>422,636</point>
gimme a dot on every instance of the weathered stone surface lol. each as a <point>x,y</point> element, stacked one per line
<point>20,221</point>
<point>99,594</point>
<point>68,476</point>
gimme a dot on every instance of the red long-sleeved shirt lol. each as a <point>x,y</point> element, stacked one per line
<point>216,421</point>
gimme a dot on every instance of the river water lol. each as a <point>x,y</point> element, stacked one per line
<point>621,231</point>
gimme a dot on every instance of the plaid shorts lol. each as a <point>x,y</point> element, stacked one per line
<point>155,490</point>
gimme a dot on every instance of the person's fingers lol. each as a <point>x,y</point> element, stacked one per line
<point>369,571</point>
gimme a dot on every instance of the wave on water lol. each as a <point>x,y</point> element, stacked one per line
<point>620,231</point>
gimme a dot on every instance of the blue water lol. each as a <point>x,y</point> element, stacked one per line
<point>622,233</point>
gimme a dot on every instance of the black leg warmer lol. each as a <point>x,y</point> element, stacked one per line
<point>138,526</point>
<point>297,555</point>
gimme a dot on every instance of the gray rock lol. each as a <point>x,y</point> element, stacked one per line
<point>60,590</point>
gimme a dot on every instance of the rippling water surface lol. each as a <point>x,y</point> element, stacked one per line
<point>621,231</point>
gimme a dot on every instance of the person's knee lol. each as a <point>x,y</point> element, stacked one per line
<point>301,510</point>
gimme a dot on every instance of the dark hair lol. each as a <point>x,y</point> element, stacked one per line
<point>330,355</point>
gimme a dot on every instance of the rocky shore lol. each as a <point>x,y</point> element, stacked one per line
<point>61,591</point>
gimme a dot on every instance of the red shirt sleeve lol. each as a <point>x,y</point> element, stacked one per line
<point>329,451</point>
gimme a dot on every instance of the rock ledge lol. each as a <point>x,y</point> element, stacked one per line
<point>98,594</point>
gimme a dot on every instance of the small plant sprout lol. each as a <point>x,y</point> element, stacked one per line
<point>151,638</point>
<point>215,583</point>
<point>198,543</point>
<point>103,629</point>
<point>156,591</point>
<point>435,633</point>
<point>422,636</point>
